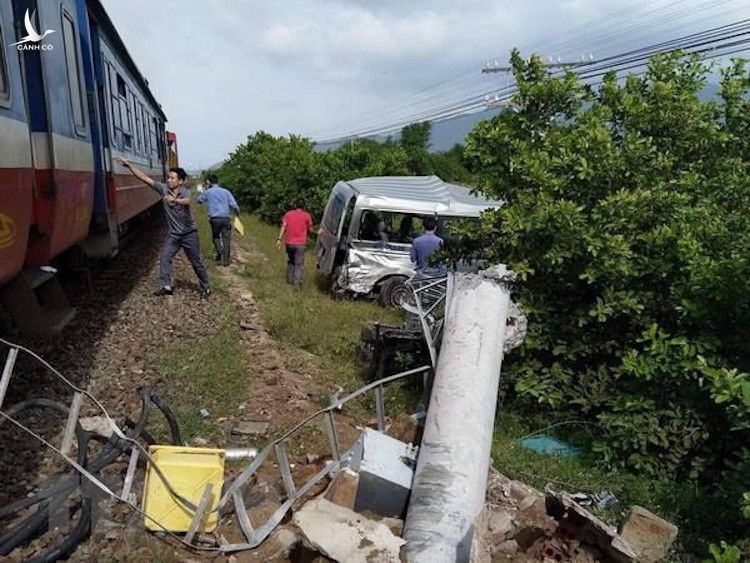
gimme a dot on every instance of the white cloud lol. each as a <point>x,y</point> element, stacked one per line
<point>280,39</point>
<point>223,69</point>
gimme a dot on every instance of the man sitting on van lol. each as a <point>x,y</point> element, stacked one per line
<point>425,246</point>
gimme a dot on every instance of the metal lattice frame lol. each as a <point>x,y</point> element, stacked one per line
<point>279,447</point>
<point>428,294</point>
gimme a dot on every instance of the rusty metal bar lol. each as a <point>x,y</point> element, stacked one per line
<point>132,464</point>
<point>286,472</point>
<point>10,362</point>
<point>380,408</point>
<point>333,440</point>
<point>242,518</point>
<point>255,537</point>
<point>200,512</point>
<point>429,285</point>
<point>70,425</point>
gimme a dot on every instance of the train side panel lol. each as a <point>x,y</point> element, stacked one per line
<point>135,131</point>
<point>60,136</point>
<point>69,104</point>
<point>16,172</point>
<point>102,240</point>
<point>129,122</point>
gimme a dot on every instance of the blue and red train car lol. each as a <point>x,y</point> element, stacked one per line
<point>71,99</point>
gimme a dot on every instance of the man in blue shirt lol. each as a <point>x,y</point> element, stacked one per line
<point>220,204</point>
<point>425,246</point>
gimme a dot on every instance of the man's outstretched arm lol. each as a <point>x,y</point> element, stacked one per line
<point>140,174</point>
<point>182,200</point>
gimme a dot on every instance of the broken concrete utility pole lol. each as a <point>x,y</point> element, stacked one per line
<point>449,486</point>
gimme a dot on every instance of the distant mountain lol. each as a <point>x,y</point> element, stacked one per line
<point>445,134</point>
<point>198,171</point>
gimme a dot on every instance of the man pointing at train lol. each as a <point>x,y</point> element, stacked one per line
<point>182,231</point>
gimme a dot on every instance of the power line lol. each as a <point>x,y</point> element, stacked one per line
<point>623,61</point>
<point>426,99</point>
<point>475,106</point>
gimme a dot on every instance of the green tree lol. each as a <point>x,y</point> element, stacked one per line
<point>449,165</point>
<point>269,174</point>
<point>415,139</point>
<point>626,222</point>
<point>365,158</point>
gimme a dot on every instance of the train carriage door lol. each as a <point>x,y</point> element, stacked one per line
<point>103,240</point>
<point>63,156</point>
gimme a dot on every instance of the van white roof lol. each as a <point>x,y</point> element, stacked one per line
<point>419,194</point>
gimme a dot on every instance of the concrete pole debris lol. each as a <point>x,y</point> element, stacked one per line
<point>449,485</point>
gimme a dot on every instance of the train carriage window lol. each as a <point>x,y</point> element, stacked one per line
<point>116,123</point>
<point>113,105</point>
<point>142,112</point>
<point>153,132</point>
<point>74,75</point>
<point>126,115</point>
<point>4,82</point>
<point>122,111</point>
<point>144,124</point>
<point>162,136</point>
<point>122,90</point>
<point>138,140</point>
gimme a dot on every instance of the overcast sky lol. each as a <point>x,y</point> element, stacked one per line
<point>224,69</point>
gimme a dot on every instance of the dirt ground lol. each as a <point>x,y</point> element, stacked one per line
<point>115,346</point>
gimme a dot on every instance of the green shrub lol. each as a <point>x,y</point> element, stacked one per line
<point>626,221</point>
<point>270,174</point>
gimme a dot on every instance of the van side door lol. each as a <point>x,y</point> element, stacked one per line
<point>331,236</point>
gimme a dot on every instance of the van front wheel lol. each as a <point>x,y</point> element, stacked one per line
<point>393,291</point>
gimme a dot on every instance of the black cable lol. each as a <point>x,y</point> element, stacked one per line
<point>145,434</point>
<point>53,497</point>
<point>37,522</point>
<point>169,415</point>
<point>71,541</point>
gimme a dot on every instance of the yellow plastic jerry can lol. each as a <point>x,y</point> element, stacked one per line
<point>188,471</point>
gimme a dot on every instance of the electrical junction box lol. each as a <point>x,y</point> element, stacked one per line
<point>386,471</point>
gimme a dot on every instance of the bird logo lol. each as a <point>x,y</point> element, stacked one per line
<point>33,35</point>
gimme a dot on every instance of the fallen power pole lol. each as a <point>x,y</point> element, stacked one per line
<point>449,485</point>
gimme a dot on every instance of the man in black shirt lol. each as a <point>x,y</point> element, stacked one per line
<point>182,231</point>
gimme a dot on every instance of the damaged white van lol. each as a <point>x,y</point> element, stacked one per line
<point>369,224</point>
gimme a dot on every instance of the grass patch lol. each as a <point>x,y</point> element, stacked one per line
<point>207,374</point>
<point>580,473</point>
<point>309,319</point>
